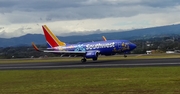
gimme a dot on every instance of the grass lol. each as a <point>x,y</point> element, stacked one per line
<point>147,80</point>
<point>101,58</point>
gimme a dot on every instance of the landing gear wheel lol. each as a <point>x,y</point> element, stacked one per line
<point>83,60</point>
<point>125,55</point>
<point>94,59</point>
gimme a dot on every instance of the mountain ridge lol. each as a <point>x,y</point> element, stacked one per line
<point>113,34</point>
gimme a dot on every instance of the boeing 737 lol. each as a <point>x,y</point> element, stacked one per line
<point>87,50</point>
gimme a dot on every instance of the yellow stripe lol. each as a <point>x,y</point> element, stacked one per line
<point>54,37</point>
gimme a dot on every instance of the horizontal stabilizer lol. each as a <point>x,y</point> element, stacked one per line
<point>35,47</point>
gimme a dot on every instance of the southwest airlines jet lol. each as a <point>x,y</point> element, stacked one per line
<point>88,50</point>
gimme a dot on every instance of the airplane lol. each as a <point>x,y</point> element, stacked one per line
<point>87,50</point>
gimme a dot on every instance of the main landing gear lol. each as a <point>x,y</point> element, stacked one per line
<point>94,59</point>
<point>83,60</point>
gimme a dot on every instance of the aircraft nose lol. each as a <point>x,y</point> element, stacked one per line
<point>132,46</point>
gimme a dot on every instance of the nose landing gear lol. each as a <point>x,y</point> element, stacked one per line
<point>125,55</point>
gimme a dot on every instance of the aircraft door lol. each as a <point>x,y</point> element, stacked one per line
<point>119,47</point>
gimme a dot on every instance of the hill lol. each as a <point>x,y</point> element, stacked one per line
<point>130,35</point>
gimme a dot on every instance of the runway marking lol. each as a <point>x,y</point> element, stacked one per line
<point>86,66</point>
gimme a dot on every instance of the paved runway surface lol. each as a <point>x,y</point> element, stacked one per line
<point>92,64</point>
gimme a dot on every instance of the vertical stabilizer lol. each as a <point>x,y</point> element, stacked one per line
<point>51,39</point>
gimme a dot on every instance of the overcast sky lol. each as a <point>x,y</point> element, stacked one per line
<point>19,17</point>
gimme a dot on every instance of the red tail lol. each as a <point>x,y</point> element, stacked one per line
<point>51,39</point>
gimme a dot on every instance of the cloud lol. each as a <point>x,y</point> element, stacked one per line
<point>85,15</point>
<point>14,31</point>
<point>81,9</point>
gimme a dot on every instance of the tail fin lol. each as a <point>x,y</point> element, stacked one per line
<point>104,38</point>
<point>51,39</point>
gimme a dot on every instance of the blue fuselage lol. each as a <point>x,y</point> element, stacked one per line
<point>109,47</point>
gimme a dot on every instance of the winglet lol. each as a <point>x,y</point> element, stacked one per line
<point>35,47</point>
<point>104,38</point>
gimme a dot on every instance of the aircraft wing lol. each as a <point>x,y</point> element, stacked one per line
<point>60,52</point>
<point>64,52</point>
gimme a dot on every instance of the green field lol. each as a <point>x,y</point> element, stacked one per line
<point>142,80</point>
<point>101,58</point>
<point>139,80</point>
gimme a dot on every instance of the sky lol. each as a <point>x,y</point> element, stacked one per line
<point>71,17</point>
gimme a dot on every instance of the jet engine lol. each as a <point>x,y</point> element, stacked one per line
<point>92,54</point>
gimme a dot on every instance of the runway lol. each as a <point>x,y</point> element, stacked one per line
<point>92,64</point>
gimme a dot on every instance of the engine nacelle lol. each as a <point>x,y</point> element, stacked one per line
<point>92,54</point>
